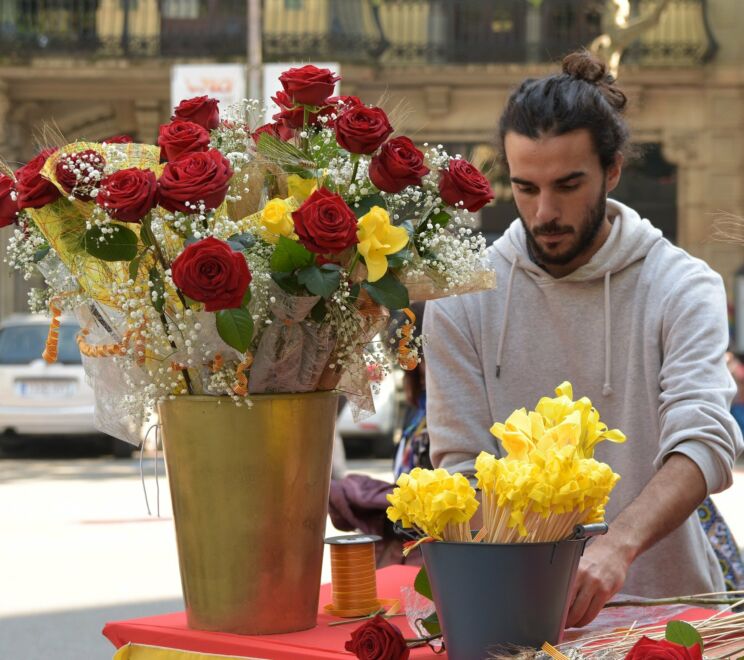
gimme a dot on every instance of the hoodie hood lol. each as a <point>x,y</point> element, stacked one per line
<point>630,240</point>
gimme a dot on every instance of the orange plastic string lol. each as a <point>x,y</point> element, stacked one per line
<point>406,359</point>
<point>240,387</point>
<point>51,349</point>
<point>353,580</point>
<point>177,366</point>
<point>100,350</point>
<point>217,363</point>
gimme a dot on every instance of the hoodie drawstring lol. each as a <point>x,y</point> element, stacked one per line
<point>500,348</point>
<point>606,387</point>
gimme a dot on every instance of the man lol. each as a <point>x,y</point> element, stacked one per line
<point>591,293</point>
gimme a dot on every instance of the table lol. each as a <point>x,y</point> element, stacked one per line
<point>170,633</point>
<point>173,640</point>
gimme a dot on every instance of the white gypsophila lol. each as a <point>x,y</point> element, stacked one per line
<point>38,300</point>
<point>22,248</point>
<point>452,256</point>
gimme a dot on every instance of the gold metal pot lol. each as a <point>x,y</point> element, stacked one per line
<point>249,487</point>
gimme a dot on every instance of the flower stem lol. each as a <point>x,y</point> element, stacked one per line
<point>353,264</point>
<point>355,158</point>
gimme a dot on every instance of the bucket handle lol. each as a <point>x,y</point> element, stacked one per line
<point>588,531</point>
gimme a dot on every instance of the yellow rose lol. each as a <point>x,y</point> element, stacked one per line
<point>300,188</point>
<point>276,220</point>
<point>378,238</point>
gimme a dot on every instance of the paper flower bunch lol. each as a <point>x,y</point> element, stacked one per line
<point>547,483</point>
<point>234,258</point>
<point>434,502</point>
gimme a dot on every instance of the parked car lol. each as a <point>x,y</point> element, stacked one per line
<point>375,433</point>
<point>37,398</point>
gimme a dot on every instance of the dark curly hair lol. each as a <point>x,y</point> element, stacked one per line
<point>583,96</point>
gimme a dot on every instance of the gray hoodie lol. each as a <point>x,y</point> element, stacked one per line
<point>641,330</point>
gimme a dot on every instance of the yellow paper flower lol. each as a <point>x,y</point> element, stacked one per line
<point>430,500</point>
<point>300,188</point>
<point>275,220</point>
<point>378,239</point>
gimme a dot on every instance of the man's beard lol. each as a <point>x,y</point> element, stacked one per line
<point>587,233</point>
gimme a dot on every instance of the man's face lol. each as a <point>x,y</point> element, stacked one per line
<point>560,190</point>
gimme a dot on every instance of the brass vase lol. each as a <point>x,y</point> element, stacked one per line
<point>249,487</point>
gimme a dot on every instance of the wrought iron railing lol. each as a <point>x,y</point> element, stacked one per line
<point>384,32</point>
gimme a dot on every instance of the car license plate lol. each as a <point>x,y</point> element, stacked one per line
<point>46,389</point>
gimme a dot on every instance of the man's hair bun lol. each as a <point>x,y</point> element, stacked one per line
<point>582,65</point>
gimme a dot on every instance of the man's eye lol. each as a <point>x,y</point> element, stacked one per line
<point>568,186</point>
<point>527,190</point>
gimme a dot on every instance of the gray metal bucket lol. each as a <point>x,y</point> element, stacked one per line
<point>494,596</point>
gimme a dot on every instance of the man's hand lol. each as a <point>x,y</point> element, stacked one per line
<point>666,502</point>
<point>600,576</point>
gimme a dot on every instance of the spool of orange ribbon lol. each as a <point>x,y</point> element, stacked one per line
<point>353,577</point>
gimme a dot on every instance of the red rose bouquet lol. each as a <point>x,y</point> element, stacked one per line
<point>238,257</point>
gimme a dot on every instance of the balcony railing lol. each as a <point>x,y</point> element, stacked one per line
<point>378,32</point>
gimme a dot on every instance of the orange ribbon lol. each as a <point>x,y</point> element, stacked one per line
<point>406,359</point>
<point>240,387</point>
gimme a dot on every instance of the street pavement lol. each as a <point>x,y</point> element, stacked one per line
<point>78,549</point>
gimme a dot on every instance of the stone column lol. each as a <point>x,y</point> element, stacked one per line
<point>7,296</point>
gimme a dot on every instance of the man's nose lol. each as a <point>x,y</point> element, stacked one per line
<point>547,207</point>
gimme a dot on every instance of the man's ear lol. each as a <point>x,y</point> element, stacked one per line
<point>612,176</point>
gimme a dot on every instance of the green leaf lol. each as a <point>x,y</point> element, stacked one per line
<point>246,298</point>
<point>157,286</point>
<point>287,282</point>
<point>120,245</point>
<point>240,242</point>
<point>318,312</point>
<point>354,293</point>
<point>421,584</point>
<point>146,235</point>
<point>396,260</point>
<point>366,204</point>
<point>319,281</point>
<point>431,623</point>
<point>290,255</point>
<point>134,265</point>
<point>440,219</point>
<point>41,253</point>
<point>681,632</point>
<point>235,326</point>
<point>388,292</point>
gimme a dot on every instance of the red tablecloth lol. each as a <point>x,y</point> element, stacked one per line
<point>170,630</point>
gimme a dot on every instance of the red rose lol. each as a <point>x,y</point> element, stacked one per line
<point>399,164</point>
<point>211,272</point>
<point>361,130</point>
<point>650,649</point>
<point>80,173</point>
<point>277,130</point>
<point>345,102</point>
<point>203,176</point>
<point>180,137</point>
<point>308,84</point>
<point>128,195</point>
<point>34,191</point>
<point>8,201</point>
<point>119,139</point>
<point>378,639</point>
<point>324,223</point>
<point>291,116</point>
<point>201,110</point>
<point>463,182</point>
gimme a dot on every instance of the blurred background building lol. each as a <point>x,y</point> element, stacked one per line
<point>95,68</point>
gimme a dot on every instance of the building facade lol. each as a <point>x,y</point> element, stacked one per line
<point>95,68</point>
